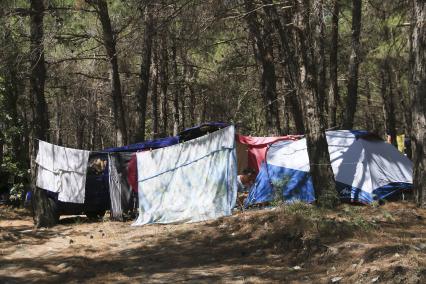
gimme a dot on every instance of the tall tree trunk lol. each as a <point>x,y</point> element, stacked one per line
<point>290,64</point>
<point>264,56</point>
<point>192,101</point>
<point>58,118</point>
<point>370,120</point>
<point>176,87</point>
<point>154,96</point>
<point>110,46</point>
<point>388,100</point>
<point>164,82</point>
<point>333,97</point>
<point>144,69</point>
<point>182,88</point>
<point>94,121</point>
<point>419,103</point>
<point>320,54</point>
<point>319,157</point>
<point>44,215</point>
<point>352,96</point>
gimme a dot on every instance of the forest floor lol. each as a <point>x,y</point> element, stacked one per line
<point>290,244</point>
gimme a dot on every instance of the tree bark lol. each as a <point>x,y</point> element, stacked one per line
<point>164,82</point>
<point>352,96</point>
<point>144,69</point>
<point>387,93</point>
<point>419,103</point>
<point>176,83</point>
<point>290,64</point>
<point>320,54</point>
<point>370,120</point>
<point>44,215</point>
<point>264,56</point>
<point>334,98</point>
<point>110,46</point>
<point>154,96</point>
<point>319,157</point>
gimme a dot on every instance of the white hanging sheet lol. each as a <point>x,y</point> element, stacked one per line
<point>188,182</point>
<point>62,170</point>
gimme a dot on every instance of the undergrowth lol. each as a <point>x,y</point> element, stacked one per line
<point>311,221</point>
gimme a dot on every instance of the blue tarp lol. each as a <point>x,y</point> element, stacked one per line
<point>185,135</point>
<point>150,144</point>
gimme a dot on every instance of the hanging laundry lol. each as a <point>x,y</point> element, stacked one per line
<point>62,170</point>
<point>120,191</point>
<point>188,182</point>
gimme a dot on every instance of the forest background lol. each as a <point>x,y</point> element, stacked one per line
<point>93,74</point>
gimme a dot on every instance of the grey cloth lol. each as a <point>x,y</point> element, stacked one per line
<point>119,189</point>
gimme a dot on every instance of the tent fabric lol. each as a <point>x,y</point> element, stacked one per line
<point>63,171</point>
<point>256,147</point>
<point>365,170</point>
<point>132,173</point>
<point>149,144</point>
<point>188,182</point>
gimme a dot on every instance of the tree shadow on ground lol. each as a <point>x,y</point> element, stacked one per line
<point>228,250</point>
<point>216,253</point>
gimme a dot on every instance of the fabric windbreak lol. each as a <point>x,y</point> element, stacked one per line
<point>188,182</point>
<point>62,170</point>
<point>120,191</point>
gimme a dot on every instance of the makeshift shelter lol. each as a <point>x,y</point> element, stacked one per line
<point>251,150</point>
<point>188,182</point>
<point>365,169</point>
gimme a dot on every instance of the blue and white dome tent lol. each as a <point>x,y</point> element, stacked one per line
<point>365,167</point>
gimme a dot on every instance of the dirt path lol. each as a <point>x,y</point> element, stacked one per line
<point>248,247</point>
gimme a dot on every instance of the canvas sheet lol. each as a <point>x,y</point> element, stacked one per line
<point>188,182</point>
<point>62,170</point>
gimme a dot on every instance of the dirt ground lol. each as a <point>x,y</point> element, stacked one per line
<point>385,244</point>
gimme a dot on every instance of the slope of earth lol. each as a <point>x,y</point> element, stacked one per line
<point>291,244</point>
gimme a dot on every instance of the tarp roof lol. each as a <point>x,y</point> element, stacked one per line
<point>149,144</point>
<point>185,135</point>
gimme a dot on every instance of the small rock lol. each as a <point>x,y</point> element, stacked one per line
<point>421,246</point>
<point>415,248</point>
<point>91,236</point>
<point>396,255</point>
<point>375,279</point>
<point>336,279</point>
<point>297,267</point>
<point>71,241</point>
<point>103,234</point>
<point>62,265</point>
<point>233,234</point>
